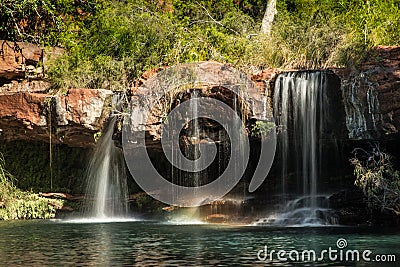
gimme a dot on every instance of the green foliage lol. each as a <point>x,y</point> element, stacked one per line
<point>379,180</point>
<point>145,203</point>
<point>24,205</point>
<point>111,43</point>
<point>45,22</point>
<point>321,33</point>
<point>261,128</point>
<point>6,180</point>
<point>375,22</point>
<point>16,204</point>
<point>125,39</point>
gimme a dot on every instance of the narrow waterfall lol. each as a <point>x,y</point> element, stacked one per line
<point>106,187</point>
<point>195,137</point>
<point>106,178</point>
<point>299,109</point>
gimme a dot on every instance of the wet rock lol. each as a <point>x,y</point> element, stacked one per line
<point>371,94</point>
<point>212,79</point>
<point>265,79</point>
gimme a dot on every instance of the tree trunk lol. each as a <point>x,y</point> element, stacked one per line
<point>268,17</point>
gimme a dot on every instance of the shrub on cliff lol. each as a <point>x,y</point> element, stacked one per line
<point>321,33</point>
<point>126,38</point>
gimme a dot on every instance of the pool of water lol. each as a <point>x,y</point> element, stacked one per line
<point>139,243</point>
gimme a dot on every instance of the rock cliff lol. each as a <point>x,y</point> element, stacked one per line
<point>31,111</point>
<point>371,95</point>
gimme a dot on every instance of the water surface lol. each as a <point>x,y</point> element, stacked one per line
<point>55,243</point>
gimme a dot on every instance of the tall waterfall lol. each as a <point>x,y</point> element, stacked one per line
<point>299,109</point>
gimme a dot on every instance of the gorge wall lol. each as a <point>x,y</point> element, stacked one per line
<point>30,110</point>
<point>52,129</point>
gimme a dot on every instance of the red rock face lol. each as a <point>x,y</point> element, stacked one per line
<point>213,79</point>
<point>384,72</point>
<point>263,78</point>
<point>19,60</point>
<point>71,119</point>
<point>16,56</point>
<point>29,112</point>
<point>27,107</point>
<point>371,94</point>
<point>82,106</point>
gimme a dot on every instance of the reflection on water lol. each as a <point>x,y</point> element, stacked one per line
<point>98,220</point>
<point>45,243</point>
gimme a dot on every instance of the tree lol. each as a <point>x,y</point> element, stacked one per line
<point>379,180</point>
<point>268,18</point>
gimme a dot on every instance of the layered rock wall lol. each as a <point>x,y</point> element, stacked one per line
<point>72,118</point>
<point>30,111</point>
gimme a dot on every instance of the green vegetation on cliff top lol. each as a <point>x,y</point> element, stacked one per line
<point>110,43</point>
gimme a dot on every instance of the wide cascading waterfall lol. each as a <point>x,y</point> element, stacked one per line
<point>299,111</point>
<point>202,135</point>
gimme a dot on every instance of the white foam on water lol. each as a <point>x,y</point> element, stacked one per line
<point>99,220</point>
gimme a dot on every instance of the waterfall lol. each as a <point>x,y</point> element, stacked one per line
<point>202,135</point>
<point>300,111</point>
<point>106,189</point>
<point>195,137</point>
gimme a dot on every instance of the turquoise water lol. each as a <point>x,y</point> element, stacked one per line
<point>55,243</point>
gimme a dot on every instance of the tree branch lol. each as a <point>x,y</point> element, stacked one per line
<point>213,20</point>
